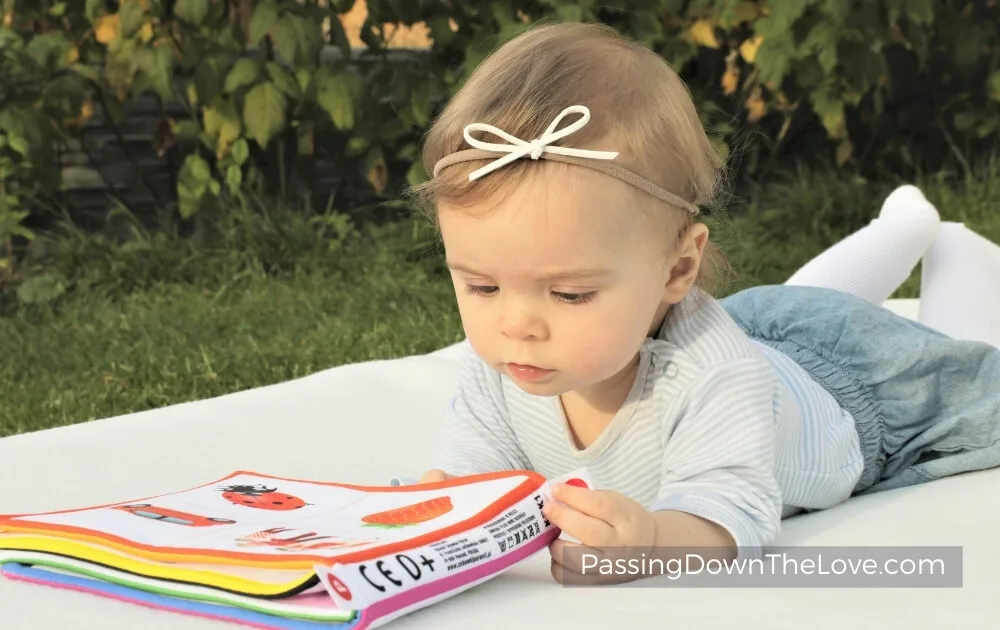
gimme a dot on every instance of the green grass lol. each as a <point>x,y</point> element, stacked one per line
<point>97,354</point>
<point>266,295</point>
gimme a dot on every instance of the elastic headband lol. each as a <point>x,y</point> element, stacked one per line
<point>540,148</point>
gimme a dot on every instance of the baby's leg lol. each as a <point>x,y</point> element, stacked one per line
<point>960,285</point>
<point>872,262</point>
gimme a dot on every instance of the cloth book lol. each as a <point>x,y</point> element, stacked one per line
<point>273,552</point>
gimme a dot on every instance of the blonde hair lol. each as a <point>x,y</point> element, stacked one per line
<point>640,107</point>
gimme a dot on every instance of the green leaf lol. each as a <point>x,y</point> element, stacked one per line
<point>416,174</point>
<point>49,50</point>
<point>440,29</point>
<point>187,130</point>
<point>783,15</point>
<point>987,127</point>
<point>339,38</point>
<point>24,128</point>
<point>861,66</point>
<point>132,16</point>
<point>157,64</point>
<point>10,39</point>
<point>420,102</point>
<point>969,44</point>
<point>735,13</point>
<point>305,139</point>
<point>222,121</point>
<point>838,10</point>
<point>822,40</point>
<point>43,289</point>
<point>773,59</point>
<point>192,184</point>
<point>296,39</point>
<point>311,40</point>
<point>285,38</point>
<point>303,77</point>
<point>19,144</point>
<point>208,77</point>
<point>22,231</point>
<point>264,112</point>
<point>193,11</point>
<point>230,36</point>
<point>92,9</point>
<point>58,9</point>
<point>240,151</point>
<point>234,177</point>
<point>265,14</point>
<point>87,72</point>
<point>966,121</point>
<point>393,129</point>
<point>244,72</point>
<point>284,80</point>
<point>920,11</point>
<point>194,51</point>
<point>993,86</point>
<point>830,110</point>
<point>357,145</point>
<point>64,96</point>
<point>338,95</point>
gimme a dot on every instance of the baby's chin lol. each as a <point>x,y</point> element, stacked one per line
<point>557,383</point>
<point>551,384</point>
<point>545,390</point>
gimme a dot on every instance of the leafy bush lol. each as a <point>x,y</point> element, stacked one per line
<point>264,89</point>
<point>268,88</point>
<point>40,97</point>
<point>910,81</point>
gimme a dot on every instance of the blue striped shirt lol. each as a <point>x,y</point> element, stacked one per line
<point>715,425</point>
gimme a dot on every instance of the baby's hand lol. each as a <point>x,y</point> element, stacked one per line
<point>434,475</point>
<point>607,524</point>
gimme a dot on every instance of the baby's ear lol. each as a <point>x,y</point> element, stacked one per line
<point>686,262</point>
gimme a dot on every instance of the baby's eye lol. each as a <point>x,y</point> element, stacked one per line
<point>473,289</point>
<point>575,298</point>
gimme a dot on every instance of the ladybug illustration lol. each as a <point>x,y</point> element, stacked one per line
<point>261,497</point>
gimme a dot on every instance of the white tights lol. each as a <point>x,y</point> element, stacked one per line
<point>960,274</point>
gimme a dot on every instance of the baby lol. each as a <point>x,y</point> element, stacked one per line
<point>567,176</point>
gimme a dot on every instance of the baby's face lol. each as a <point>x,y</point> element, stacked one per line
<point>560,276</point>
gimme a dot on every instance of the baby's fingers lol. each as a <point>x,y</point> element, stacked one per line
<point>434,475</point>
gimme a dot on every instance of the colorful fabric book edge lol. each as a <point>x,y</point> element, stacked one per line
<point>43,577</point>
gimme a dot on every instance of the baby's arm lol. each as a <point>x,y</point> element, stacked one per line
<point>477,436</point>
<point>718,485</point>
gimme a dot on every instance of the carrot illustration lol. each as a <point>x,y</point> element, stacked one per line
<point>410,514</point>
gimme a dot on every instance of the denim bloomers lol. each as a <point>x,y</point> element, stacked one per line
<point>926,406</point>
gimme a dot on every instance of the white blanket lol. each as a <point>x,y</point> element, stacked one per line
<point>367,422</point>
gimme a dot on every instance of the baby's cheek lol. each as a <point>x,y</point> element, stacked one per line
<point>602,350</point>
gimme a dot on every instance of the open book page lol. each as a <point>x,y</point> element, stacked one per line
<point>283,523</point>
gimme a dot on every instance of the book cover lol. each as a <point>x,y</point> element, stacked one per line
<point>290,549</point>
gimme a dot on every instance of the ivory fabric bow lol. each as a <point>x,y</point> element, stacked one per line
<point>537,148</point>
<point>518,148</point>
